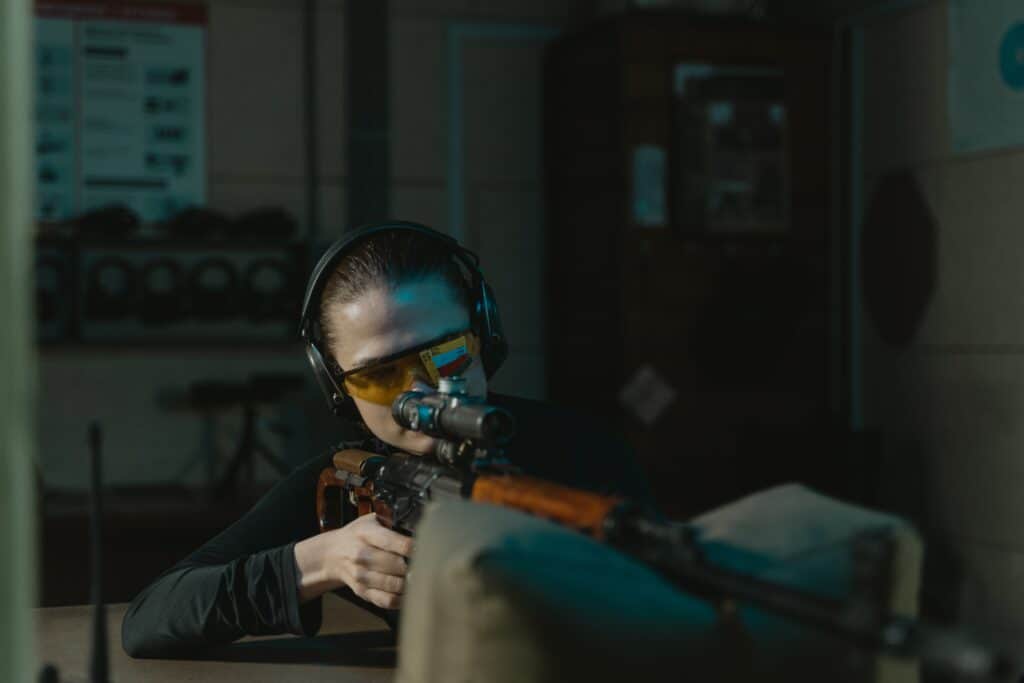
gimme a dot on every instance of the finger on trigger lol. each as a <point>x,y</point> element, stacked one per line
<point>384,582</point>
<point>382,599</point>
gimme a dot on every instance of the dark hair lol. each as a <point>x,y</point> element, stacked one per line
<point>390,259</point>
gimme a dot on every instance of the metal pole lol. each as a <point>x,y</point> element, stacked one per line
<point>17,354</point>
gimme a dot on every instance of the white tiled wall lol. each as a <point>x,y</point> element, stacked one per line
<point>955,396</point>
<point>418,116</point>
<point>504,211</point>
<point>905,117</point>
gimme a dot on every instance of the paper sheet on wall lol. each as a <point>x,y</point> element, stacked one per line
<point>120,108</point>
<point>730,137</point>
<point>649,205</point>
<point>986,74</point>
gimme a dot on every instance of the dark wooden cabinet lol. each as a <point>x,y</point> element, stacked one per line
<point>737,323</point>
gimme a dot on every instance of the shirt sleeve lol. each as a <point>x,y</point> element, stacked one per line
<point>242,582</point>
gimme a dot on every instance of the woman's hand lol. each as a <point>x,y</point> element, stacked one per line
<point>363,555</point>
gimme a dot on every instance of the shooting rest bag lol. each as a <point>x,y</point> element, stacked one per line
<point>495,595</point>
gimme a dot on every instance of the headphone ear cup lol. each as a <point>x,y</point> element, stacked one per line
<point>338,402</point>
<point>493,344</point>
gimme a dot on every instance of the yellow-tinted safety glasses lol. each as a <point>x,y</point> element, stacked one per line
<point>383,380</point>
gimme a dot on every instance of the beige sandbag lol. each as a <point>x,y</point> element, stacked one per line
<point>496,595</point>
<point>803,538</point>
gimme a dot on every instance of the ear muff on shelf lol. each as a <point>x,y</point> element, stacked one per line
<point>111,291</point>
<point>164,292</point>
<point>197,222</point>
<point>268,287</point>
<point>484,315</point>
<point>213,290</point>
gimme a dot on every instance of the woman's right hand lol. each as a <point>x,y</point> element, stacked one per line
<point>364,555</point>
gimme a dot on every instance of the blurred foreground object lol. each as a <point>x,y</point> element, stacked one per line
<point>499,596</point>
<point>17,358</point>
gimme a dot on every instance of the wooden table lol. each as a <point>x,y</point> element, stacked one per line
<point>353,645</point>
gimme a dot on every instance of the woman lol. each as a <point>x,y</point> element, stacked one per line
<point>376,300</point>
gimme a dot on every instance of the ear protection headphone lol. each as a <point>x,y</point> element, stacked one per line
<point>268,289</point>
<point>484,317</point>
<point>164,293</point>
<point>213,285</point>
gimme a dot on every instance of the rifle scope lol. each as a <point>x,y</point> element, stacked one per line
<point>451,414</point>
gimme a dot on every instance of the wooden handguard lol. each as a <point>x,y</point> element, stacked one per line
<point>580,510</point>
<point>352,460</point>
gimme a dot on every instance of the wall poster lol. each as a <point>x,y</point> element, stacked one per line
<point>120,108</point>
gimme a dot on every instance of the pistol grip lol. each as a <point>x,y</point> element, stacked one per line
<point>329,500</point>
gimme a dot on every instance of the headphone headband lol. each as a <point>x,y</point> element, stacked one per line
<point>325,266</point>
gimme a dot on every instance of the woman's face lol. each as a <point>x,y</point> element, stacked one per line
<point>381,322</point>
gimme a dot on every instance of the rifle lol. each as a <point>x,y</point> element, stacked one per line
<point>470,464</point>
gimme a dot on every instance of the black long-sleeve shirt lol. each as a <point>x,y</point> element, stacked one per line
<point>243,581</point>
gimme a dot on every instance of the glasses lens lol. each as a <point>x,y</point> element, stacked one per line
<point>383,383</point>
